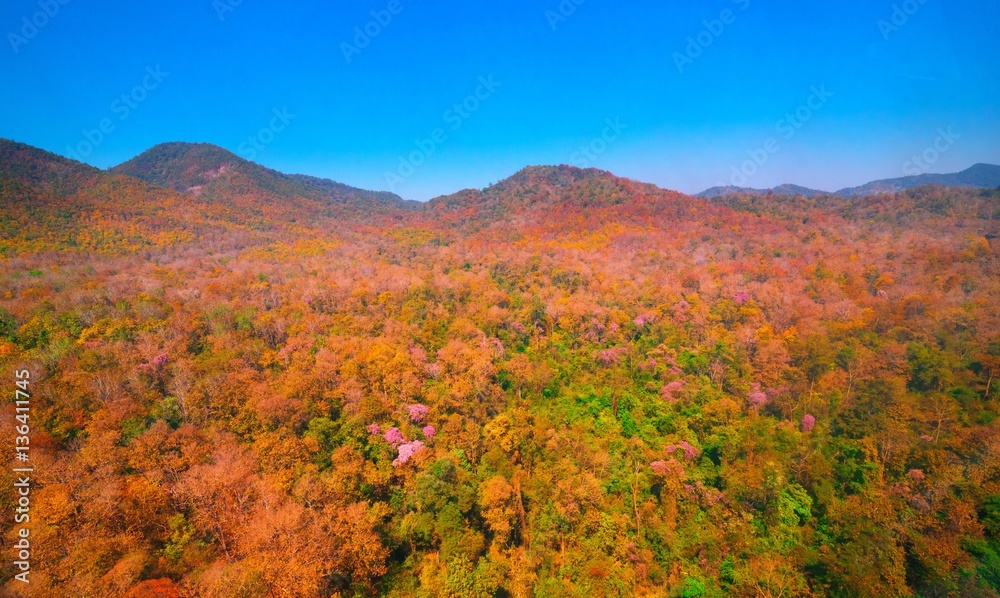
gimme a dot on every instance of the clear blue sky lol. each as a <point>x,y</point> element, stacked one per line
<point>560,80</point>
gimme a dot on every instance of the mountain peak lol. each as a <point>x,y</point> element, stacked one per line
<point>560,175</point>
<point>180,165</point>
<point>216,173</point>
<point>981,175</point>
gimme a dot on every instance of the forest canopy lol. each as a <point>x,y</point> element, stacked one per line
<point>566,384</point>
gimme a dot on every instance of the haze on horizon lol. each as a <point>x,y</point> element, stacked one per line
<point>452,95</point>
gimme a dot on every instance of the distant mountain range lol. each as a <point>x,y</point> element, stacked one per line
<point>980,175</point>
<point>786,189</point>
<point>219,177</point>
<point>182,193</point>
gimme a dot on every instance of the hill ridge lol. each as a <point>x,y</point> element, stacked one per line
<point>979,175</point>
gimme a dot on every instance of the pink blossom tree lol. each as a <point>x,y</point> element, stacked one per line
<point>670,390</point>
<point>417,412</point>
<point>407,451</point>
<point>644,320</point>
<point>808,423</point>
<point>757,398</point>
<point>394,437</point>
<point>610,357</point>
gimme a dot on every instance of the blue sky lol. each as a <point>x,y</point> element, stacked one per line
<point>681,94</point>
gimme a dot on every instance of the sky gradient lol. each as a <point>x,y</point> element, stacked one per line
<point>451,95</point>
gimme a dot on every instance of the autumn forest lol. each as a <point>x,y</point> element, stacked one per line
<point>567,384</point>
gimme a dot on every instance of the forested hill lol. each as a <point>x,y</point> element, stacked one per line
<point>566,384</point>
<point>30,166</point>
<point>50,203</point>
<point>172,195</point>
<point>202,168</point>
<point>218,175</point>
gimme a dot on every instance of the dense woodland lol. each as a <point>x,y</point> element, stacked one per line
<point>567,384</point>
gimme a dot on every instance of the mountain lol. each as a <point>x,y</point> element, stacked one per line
<point>789,189</point>
<point>169,195</point>
<point>209,170</point>
<point>980,175</point>
<point>786,189</point>
<point>52,203</point>
<point>545,196</point>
